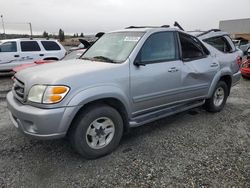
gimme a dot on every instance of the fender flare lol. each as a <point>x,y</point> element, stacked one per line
<point>217,77</point>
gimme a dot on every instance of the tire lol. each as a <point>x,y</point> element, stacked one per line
<point>96,131</point>
<point>216,103</point>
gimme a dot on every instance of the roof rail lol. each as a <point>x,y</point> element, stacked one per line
<point>206,32</point>
<point>139,27</point>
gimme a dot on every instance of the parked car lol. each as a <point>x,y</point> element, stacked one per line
<point>71,55</point>
<point>126,79</point>
<point>245,69</point>
<point>14,52</point>
<point>242,44</point>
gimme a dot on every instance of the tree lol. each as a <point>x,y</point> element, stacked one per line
<point>45,34</point>
<point>82,35</point>
<point>61,35</point>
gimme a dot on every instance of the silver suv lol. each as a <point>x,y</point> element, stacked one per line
<point>126,79</point>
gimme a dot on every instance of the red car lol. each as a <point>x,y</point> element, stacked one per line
<point>245,69</point>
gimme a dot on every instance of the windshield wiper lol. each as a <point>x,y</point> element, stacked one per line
<point>106,59</point>
<point>87,58</point>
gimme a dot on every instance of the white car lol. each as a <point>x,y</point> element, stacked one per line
<point>14,52</point>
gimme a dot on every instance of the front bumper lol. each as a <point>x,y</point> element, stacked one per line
<point>36,122</point>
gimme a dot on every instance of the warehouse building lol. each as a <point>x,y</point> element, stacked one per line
<point>239,28</point>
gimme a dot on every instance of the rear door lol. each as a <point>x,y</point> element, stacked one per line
<point>227,55</point>
<point>199,68</point>
<point>157,83</point>
<point>30,50</point>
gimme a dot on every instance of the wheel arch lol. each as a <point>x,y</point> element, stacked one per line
<point>221,76</point>
<point>104,95</point>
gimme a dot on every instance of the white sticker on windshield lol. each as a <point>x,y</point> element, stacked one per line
<point>132,39</point>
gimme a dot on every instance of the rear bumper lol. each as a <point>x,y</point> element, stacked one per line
<point>36,122</point>
<point>236,78</point>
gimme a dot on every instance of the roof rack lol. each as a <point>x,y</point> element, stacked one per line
<point>206,32</point>
<point>176,24</point>
<point>139,27</point>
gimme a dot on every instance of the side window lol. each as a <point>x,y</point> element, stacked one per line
<point>50,45</point>
<point>30,46</point>
<point>159,47</point>
<point>220,43</point>
<point>8,47</point>
<point>191,48</point>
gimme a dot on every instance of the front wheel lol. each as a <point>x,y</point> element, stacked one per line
<point>96,131</point>
<point>218,100</point>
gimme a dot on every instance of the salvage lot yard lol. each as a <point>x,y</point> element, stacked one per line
<point>194,148</point>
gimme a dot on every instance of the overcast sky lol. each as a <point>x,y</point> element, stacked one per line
<point>91,16</point>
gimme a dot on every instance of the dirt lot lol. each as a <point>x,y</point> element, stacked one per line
<point>191,149</point>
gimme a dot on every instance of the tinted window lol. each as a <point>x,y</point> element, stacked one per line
<point>220,43</point>
<point>8,47</point>
<point>30,46</point>
<point>191,47</point>
<point>159,47</point>
<point>50,45</point>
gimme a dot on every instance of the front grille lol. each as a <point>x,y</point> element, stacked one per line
<point>18,89</point>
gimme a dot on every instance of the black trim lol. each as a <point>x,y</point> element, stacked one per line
<point>205,51</point>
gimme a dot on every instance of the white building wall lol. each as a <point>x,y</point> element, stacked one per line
<point>236,26</point>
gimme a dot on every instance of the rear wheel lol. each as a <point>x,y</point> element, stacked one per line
<point>96,131</point>
<point>217,102</point>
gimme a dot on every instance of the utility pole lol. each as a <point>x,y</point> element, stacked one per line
<point>3,25</point>
<point>31,34</point>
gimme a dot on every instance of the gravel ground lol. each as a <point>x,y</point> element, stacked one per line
<point>191,149</point>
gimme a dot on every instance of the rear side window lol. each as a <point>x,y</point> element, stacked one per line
<point>220,43</point>
<point>29,46</point>
<point>159,47</point>
<point>191,48</point>
<point>50,45</point>
<point>8,47</point>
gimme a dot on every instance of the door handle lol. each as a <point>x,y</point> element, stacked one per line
<point>41,54</point>
<point>173,69</point>
<point>16,56</point>
<point>214,65</point>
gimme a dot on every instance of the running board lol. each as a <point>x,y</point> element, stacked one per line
<point>147,118</point>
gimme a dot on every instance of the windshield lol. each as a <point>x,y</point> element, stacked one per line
<point>113,47</point>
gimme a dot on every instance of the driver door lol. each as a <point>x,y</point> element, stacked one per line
<point>156,81</point>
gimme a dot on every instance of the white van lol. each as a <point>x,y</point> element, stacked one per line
<point>14,52</point>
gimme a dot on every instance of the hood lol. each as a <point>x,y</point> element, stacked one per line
<point>57,73</point>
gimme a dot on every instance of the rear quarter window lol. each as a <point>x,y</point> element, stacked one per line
<point>50,45</point>
<point>220,43</point>
<point>29,46</point>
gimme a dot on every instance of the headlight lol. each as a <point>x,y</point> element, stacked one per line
<point>36,93</point>
<point>47,94</point>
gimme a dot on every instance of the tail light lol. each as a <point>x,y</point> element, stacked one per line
<point>238,61</point>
